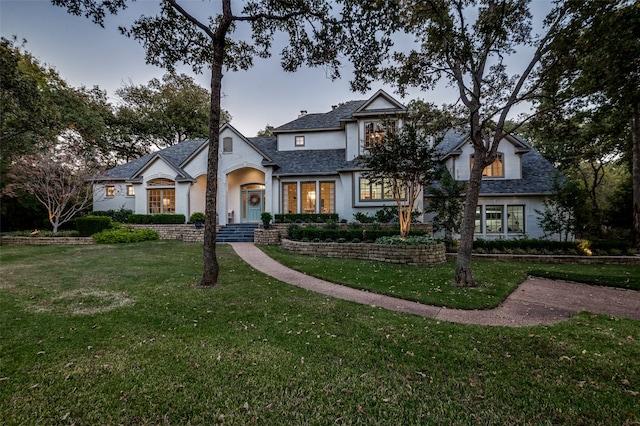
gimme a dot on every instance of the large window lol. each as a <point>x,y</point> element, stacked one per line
<point>374,131</point>
<point>161,196</point>
<point>495,169</point>
<point>515,219</point>
<point>308,197</point>
<point>289,197</point>
<point>327,197</point>
<point>493,219</point>
<point>378,191</point>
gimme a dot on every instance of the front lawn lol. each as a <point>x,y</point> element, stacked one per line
<point>431,285</point>
<point>120,334</point>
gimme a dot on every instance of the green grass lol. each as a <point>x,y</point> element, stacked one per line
<point>102,335</point>
<point>432,285</point>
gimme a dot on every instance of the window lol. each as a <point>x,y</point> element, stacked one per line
<point>227,145</point>
<point>495,169</point>
<point>493,219</point>
<point>110,191</point>
<point>299,141</point>
<point>162,198</point>
<point>327,197</point>
<point>478,227</point>
<point>515,219</point>
<point>289,197</point>
<point>130,191</point>
<point>377,191</point>
<point>308,197</point>
<point>374,132</point>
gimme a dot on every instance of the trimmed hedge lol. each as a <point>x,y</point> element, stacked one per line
<point>89,225</point>
<point>125,235</point>
<point>299,233</point>
<point>157,219</point>
<point>539,246</point>
<point>306,217</point>
<point>120,215</point>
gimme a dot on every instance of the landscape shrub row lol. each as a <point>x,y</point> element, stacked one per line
<point>159,218</point>
<point>305,233</point>
<point>120,215</point>
<point>549,247</point>
<point>305,217</point>
<point>125,235</point>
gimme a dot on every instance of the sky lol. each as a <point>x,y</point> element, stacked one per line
<point>85,54</point>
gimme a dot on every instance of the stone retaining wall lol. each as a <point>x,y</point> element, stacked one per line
<point>44,241</point>
<point>409,255</point>
<point>559,259</point>
<point>267,237</point>
<point>185,232</point>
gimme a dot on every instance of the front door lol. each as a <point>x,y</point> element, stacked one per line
<point>252,203</point>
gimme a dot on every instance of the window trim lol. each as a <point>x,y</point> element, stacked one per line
<point>299,140</point>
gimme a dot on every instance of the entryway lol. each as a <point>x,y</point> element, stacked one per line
<point>252,202</point>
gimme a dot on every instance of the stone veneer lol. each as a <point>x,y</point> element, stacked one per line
<point>45,241</point>
<point>267,237</point>
<point>186,232</point>
<point>432,254</point>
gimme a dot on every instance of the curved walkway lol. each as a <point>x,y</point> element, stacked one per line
<point>535,301</point>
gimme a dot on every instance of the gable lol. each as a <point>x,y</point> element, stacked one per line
<point>380,103</point>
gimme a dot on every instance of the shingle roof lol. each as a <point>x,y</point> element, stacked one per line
<point>322,121</point>
<point>537,173</point>
<point>175,155</point>
<point>301,162</point>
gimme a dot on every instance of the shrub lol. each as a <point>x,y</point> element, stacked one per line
<point>121,215</point>
<point>196,216</point>
<point>408,241</point>
<point>125,235</point>
<point>89,225</point>
<point>304,217</point>
<point>291,229</point>
<point>160,218</point>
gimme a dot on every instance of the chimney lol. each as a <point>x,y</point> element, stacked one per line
<point>303,112</point>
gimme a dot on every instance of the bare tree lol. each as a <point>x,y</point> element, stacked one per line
<point>59,178</point>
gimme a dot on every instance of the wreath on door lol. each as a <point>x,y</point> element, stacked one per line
<point>254,199</point>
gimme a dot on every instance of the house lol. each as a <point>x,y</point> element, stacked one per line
<point>309,166</point>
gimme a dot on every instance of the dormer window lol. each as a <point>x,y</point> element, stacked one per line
<point>374,131</point>
<point>495,169</point>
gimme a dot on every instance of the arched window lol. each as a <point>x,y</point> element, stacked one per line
<point>161,196</point>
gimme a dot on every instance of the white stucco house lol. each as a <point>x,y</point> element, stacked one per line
<point>309,166</point>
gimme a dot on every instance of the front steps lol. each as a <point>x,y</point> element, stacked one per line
<point>236,233</point>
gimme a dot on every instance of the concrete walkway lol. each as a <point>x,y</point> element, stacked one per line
<point>535,301</point>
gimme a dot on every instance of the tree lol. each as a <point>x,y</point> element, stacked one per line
<point>176,35</point>
<point>166,112</point>
<point>468,44</point>
<point>562,210</point>
<point>60,178</point>
<point>597,63</point>
<point>446,201</point>
<point>267,131</point>
<point>405,159</point>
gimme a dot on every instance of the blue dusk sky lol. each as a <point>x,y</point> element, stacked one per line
<point>84,54</point>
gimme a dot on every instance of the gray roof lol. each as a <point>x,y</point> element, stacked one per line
<point>300,162</point>
<point>175,155</point>
<point>537,173</point>
<point>322,121</point>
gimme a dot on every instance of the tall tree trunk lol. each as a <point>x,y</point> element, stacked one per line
<point>211,267</point>
<point>635,140</point>
<point>464,276</point>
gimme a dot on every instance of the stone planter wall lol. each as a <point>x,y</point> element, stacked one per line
<point>559,259</point>
<point>267,237</point>
<point>44,241</point>
<point>409,255</point>
<point>186,232</point>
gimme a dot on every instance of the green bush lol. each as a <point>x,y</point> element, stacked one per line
<point>89,225</point>
<point>125,235</point>
<point>120,215</point>
<point>363,234</point>
<point>196,216</point>
<point>305,217</point>
<point>408,241</point>
<point>157,219</point>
